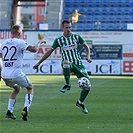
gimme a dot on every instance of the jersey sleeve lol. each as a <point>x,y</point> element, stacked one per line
<point>81,40</point>
<point>24,45</point>
<point>55,44</point>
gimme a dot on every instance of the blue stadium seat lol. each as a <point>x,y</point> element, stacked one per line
<point>111,18</point>
<point>94,26</point>
<point>80,26</point>
<point>96,18</point>
<point>112,3</point>
<point>120,3</point>
<point>105,3</point>
<point>97,3</point>
<point>127,18</point>
<point>74,26</point>
<point>105,11</point>
<point>112,11</point>
<point>67,3</point>
<point>119,18</point>
<point>89,18</point>
<point>82,10</point>
<point>89,11</point>
<point>124,26</point>
<point>127,4</point>
<point>117,26</point>
<point>67,10</point>
<point>132,18</point>
<point>73,9</point>
<point>82,19</point>
<point>87,26</point>
<point>127,11</point>
<point>75,3</point>
<point>90,3</point>
<point>82,3</point>
<point>103,26</point>
<point>97,11</point>
<point>103,18</point>
<point>111,26</point>
<point>119,11</point>
<point>66,17</point>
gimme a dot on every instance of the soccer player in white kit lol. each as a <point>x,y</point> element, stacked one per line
<point>11,51</point>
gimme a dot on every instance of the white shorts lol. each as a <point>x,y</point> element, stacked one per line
<point>22,81</point>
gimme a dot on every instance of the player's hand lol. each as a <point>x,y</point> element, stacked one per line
<point>36,66</point>
<point>42,41</point>
<point>88,59</point>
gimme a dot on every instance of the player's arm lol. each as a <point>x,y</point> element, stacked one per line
<point>34,48</point>
<point>81,14</point>
<point>31,48</point>
<point>45,56</point>
<point>87,49</point>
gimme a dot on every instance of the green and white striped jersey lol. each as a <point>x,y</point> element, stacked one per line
<point>69,47</point>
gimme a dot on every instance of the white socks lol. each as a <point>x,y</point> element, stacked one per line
<point>28,101</point>
<point>11,104</point>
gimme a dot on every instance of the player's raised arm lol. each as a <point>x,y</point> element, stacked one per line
<point>45,56</point>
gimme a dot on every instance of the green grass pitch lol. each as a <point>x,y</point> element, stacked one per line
<point>110,104</point>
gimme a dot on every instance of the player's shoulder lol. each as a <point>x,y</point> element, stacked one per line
<point>21,42</point>
<point>76,35</point>
<point>59,37</point>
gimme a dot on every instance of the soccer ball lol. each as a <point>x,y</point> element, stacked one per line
<point>84,83</point>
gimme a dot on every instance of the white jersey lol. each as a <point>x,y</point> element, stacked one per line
<point>12,57</point>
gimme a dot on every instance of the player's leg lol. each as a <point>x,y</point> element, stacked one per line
<point>80,71</point>
<point>66,72</point>
<point>25,82</point>
<point>12,98</point>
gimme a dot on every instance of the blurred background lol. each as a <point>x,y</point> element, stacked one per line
<point>48,14</point>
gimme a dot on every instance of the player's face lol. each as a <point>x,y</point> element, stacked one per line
<point>20,34</point>
<point>67,29</point>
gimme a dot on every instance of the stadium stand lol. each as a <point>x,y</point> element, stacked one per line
<point>112,14</point>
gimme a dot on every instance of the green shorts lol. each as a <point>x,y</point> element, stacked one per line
<point>79,70</point>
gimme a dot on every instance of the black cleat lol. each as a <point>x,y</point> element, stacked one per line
<point>24,114</point>
<point>10,115</point>
<point>82,106</point>
<point>65,88</point>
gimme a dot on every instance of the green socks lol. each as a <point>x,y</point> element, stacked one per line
<point>67,75</point>
<point>83,94</point>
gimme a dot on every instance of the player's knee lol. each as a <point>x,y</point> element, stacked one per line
<point>66,64</point>
<point>30,87</point>
<point>16,88</point>
<point>89,85</point>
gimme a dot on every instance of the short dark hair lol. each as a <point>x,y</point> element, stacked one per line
<point>65,21</point>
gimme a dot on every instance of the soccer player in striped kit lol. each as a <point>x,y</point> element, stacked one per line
<point>71,60</point>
